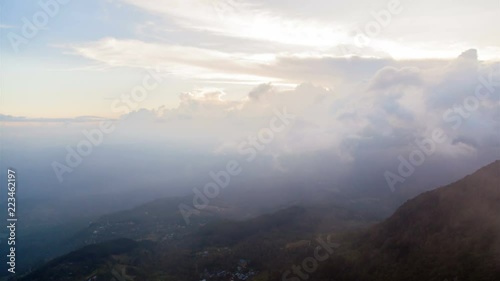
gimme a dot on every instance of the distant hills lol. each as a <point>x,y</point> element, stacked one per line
<point>450,233</point>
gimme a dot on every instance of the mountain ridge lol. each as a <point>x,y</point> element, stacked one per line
<point>449,233</point>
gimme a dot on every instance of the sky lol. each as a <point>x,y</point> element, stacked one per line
<point>90,52</point>
<point>187,85</point>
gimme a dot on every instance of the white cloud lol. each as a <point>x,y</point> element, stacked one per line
<point>393,107</point>
<point>243,20</point>
<point>323,25</point>
<point>182,61</point>
<point>236,67</point>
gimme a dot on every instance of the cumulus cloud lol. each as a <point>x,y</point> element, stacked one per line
<point>392,77</point>
<point>360,126</point>
<point>388,110</point>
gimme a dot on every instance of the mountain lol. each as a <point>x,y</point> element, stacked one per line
<point>165,249</point>
<point>450,233</point>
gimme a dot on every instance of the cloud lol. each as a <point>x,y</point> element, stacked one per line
<point>386,111</point>
<point>244,20</point>
<point>23,119</point>
<point>355,126</point>
<point>260,91</point>
<point>324,26</point>
<point>393,77</point>
<point>201,63</point>
<point>251,68</point>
